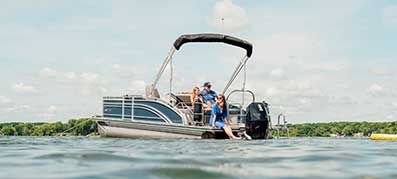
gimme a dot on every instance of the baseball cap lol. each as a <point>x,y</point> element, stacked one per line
<point>208,84</point>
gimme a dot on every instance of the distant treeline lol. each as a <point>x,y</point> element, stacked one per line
<point>83,127</point>
<point>74,127</point>
<point>340,129</point>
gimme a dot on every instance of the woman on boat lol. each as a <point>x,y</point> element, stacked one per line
<point>219,116</point>
<point>195,97</point>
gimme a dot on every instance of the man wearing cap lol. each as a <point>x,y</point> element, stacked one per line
<point>208,95</point>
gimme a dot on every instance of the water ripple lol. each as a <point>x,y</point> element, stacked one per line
<point>95,157</point>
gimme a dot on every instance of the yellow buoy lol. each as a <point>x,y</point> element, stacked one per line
<point>383,136</point>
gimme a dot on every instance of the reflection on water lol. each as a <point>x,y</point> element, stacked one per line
<point>95,157</point>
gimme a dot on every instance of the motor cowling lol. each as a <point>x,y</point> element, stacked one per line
<point>257,120</point>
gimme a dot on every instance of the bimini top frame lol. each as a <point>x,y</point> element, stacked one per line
<point>214,38</point>
<point>189,38</point>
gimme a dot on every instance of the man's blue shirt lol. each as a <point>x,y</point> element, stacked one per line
<point>209,96</point>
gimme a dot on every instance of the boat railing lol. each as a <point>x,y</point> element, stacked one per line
<point>183,107</point>
<point>241,105</point>
<point>238,118</point>
<point>281,126</point>
<point>243,92</point>
<point>189,114</point>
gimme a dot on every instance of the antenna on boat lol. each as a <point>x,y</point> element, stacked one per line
<point>222,25</point>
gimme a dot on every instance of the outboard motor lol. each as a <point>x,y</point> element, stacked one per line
<point>257,120</point>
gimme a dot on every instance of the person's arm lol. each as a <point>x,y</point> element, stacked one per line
<point>213,121</point>
<point>201,99</point>
<point>213,117</point>
<point>192,100</point>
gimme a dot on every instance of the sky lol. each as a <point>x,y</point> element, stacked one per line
<point>314,61</point>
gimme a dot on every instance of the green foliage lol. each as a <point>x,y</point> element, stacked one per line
<point>8,130</point>
<point>340,129</point>
<point>75,127</point>
<point>82,126</point>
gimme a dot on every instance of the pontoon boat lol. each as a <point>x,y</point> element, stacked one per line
<point>172,116</point>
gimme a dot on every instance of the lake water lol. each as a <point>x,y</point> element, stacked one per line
<point>96,157</point>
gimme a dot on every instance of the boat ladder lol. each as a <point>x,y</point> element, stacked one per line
<point>281,127</point>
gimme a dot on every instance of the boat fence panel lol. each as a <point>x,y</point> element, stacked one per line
<point>142,114</point>
<point>112,111</point>
<point>168,112</point>
<point>117,108</point>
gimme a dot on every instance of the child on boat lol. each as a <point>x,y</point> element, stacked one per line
<point>195,97</point>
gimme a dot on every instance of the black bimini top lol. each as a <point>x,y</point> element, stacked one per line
<point>214,38</point>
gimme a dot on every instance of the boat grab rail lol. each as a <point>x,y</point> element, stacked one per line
<point>241,91</point>
<point>279,126</point>
<point>181,104</point>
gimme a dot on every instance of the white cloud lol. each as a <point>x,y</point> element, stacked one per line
<point>47,72</point>
<point>92,84</point>
<point>103,90</point>
<point>70,75</point>
<point>16,108</point>
<point>52,109</point>
<point>126,71</point>
<point>88,83</point>
<point>304,101</point>
<point>89,77</point>
<point>4,100</point>
<point>23,88</point>
<point>379,71</point>
<point>234,17</point>
<point>116,66</point>
<point>390,16</point>
<point>272,91</point>
<point>277,73</point>
<point>327,65</point>
<point>287,48</point>
<point>394,104</point>
<point>299,88</point>
<point>46,116</point>
<point>375,89</point>
<point>389,117</point>
<point>298,97</point>
<point>137,87</point>
<point>49,114</point>
<point>59,76</point>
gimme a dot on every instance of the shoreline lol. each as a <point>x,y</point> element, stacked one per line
<point>87,127</point>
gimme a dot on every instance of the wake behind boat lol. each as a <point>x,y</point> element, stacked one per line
<point>172,116</point>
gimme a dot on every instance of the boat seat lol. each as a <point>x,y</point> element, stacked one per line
<point>184,98</point>
<point>180,100</point>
